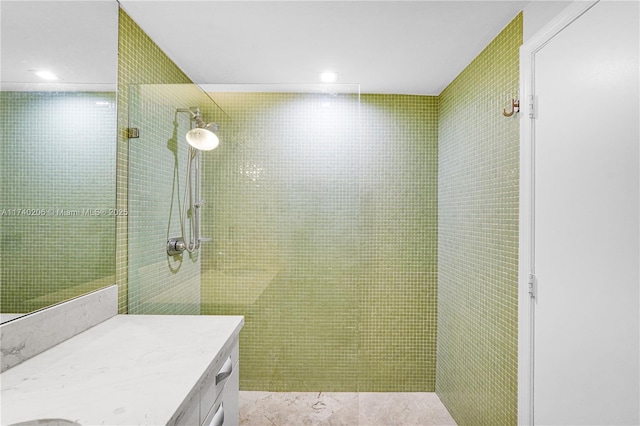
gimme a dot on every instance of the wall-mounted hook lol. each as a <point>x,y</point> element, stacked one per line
<point>515,107</point>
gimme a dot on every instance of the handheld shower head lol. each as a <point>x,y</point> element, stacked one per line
<point>203,137</point>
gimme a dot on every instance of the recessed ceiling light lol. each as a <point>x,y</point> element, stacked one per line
<point>328,77</point>
<point>46,75</point>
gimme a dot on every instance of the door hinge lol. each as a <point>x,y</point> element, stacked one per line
<point>132,132</point>
<point>532,106</point>
<point>532,286</point>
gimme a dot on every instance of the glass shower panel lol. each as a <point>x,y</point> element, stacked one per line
<point>159,119</point>
<point>286,250</point>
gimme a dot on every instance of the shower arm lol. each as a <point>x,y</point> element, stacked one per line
<point>195,115</point>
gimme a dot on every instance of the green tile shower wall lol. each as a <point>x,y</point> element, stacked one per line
<point>145,170</point>
<point>324,219</point>
<point>326,234</point>
<point>57,168</point>
<point>478,159</point>
<point>398,231</point>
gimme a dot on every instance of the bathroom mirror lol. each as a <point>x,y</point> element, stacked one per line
<point>57,167</point>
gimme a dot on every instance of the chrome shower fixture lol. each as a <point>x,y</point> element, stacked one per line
<point>200,138</point>
<point>203,136</point>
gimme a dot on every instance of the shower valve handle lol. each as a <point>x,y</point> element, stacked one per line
<point>175,246</point>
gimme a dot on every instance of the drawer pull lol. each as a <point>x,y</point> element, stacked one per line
<point>225,371</point>
<point>218,417</point>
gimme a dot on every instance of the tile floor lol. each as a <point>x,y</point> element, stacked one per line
<point>342,408</point>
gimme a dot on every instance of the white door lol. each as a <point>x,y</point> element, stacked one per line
<point>585,216</point>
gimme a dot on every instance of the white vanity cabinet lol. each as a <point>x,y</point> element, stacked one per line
<point>133,370</point>
<point>214,401</point>
<point>219,397</point>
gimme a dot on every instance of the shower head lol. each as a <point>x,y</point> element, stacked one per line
<point>203,137</point>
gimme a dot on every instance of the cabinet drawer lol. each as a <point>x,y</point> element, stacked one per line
<point>216,415</point>
<point>225,410</point>
<point>215,382</point>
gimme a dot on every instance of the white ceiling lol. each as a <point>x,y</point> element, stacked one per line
<point>404,47</point>
<point>76,40</point>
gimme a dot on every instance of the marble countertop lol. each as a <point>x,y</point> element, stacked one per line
<point>128,370</point>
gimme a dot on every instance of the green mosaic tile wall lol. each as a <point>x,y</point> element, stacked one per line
<point>325,237</point>
<point>478,161</point>
<point>57,171</point>
<point>145,171</point>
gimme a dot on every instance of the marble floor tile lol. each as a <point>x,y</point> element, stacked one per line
<point>298,408</point>
<point>342,408</point>
<point>403,408</point>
